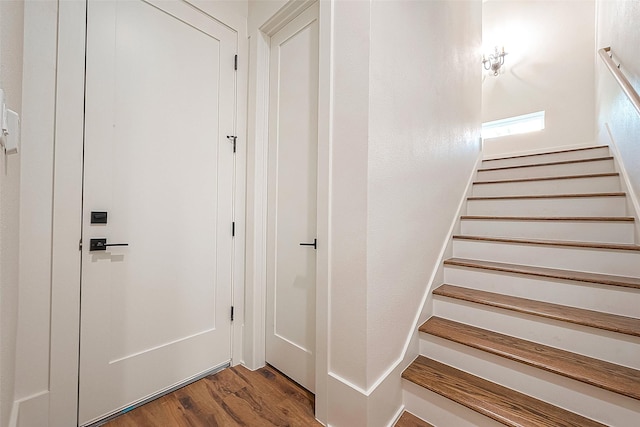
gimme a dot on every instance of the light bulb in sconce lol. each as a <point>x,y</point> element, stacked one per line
<point>495,60</point>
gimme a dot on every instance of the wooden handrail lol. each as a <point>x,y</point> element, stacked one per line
<point>620,78</point>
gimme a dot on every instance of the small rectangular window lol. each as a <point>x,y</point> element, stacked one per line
<point>513,125</point>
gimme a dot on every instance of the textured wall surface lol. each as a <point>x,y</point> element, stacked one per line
<point>549,67</point>
<point>424,117</point>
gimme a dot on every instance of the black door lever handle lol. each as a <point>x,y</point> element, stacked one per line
<point>314,244</point>
<point>101,244</point>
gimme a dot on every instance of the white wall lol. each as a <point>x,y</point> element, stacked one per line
<point>11,40</point>
<point>618,123</point>
<point>549,66</point>
<point>259,11</point>
<point>405,138</point>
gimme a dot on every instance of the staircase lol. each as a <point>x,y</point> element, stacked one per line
<point>538,320</point>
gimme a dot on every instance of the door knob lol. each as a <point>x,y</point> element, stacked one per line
<point>314,244</point>
<point>101,244</point>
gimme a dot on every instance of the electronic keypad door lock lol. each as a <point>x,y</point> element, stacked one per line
<point>101,245</point>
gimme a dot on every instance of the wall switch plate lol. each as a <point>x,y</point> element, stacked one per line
<point>12,139</point>
<point>9,127</point>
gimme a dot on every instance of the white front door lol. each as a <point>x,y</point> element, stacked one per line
<point>292,199</point>
<point>160,101</point>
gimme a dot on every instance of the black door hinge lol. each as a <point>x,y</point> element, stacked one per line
<point>80,245</point>
<point>233,229</point>
<point>232,313</point>
<point>235,63</point>
<point>232,139</point>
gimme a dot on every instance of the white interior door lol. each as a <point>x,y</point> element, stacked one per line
<point>292,198</point>
<point>160,101</point>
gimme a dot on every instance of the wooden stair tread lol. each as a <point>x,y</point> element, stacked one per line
<point>547,152</point>
<point>547,178</point>
<point>562,243</point>
<point>500,403</point>
<point>579,316</point>
<point>606,375</point>
<point>409,420</point>
<point>579,276</point>
<point>552,218</point>
<point>533,165</point>
<point>548,196</point>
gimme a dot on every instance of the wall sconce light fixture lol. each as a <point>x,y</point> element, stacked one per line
<point>495,61</point>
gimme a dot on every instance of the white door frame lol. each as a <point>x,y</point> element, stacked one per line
<point>258,131</point>
<point>67,201</point>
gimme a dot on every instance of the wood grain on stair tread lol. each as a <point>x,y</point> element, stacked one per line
<point>500,403</point>
<point>606,375</point>
<point>409,420</point>
<point>552,273</point>
<point>563,243</point>
<point>548,178</point>
<point>551,218</point>
<point>547,152</point>
<point>549,196</point>
<point>533,165</point>
<point>579,316</point>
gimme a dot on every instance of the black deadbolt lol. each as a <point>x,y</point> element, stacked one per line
<point>98,217</point>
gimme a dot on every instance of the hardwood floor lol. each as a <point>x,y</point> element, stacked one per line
<point>233,397</point>
<point>409,420</point>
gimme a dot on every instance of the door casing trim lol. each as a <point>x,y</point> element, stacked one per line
<point>258,131</point>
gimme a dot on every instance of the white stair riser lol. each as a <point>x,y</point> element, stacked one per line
<point>586,231</point>
<point>440,411</point>
<point>596,166</point>
<point>615,262</point>
<point>546,158</point>
<point>608,184</point>
<point>597,343</point>
<point>589,401</point>
<point>590,296</point>
<point>579,206</point>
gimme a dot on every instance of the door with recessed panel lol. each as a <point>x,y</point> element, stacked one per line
<point>157,201</point>
<point>292,198</point>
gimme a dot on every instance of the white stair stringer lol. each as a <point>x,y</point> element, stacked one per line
<point>577,167</point>
<point>565,211</point>
<point>593,402</point>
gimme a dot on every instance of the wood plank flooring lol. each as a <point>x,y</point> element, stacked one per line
<point>233,397</point>
<point>409,420</point>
